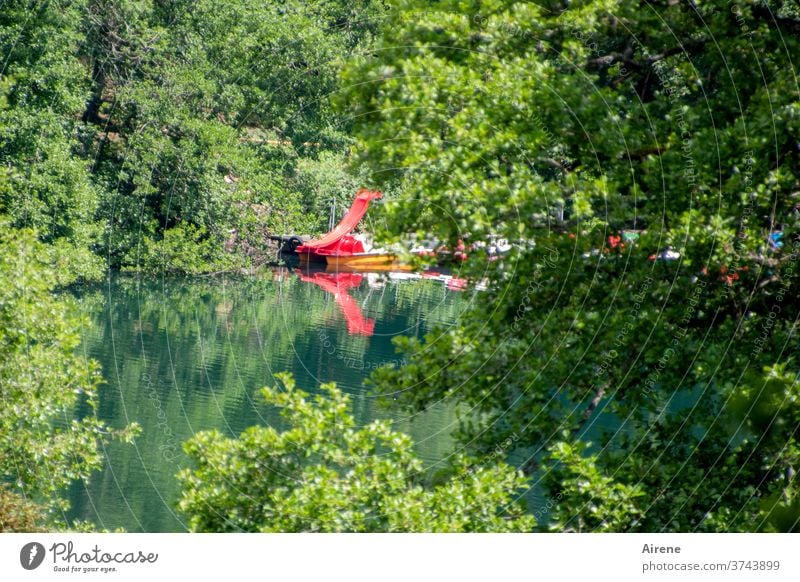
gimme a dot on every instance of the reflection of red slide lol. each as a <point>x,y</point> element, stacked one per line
<point>337,284</point>
<point>338,240</point>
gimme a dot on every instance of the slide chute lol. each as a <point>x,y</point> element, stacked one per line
<point>338,241</point>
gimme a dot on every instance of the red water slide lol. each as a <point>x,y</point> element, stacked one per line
<point>338,240</point>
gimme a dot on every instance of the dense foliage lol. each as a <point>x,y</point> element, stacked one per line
<point>323,473</point>
<point>635,350</point>
<point>557,126</point>
<point>172,137</point>
<point>43,448</point>
<point>45,182</point>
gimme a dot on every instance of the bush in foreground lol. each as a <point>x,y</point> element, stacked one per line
<point>325,474</point>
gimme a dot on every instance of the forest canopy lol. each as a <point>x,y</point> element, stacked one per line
<point>633,353</point>
<point>173,136</point>
<point>638,344</point>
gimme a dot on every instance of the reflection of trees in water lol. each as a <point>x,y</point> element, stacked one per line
<point>195,351</point>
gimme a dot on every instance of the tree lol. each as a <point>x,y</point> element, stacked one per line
<point>43,447</point>
<point>325,474</point>
<point>18,514</point>
<point>171,137</point>
<point>44,176</point>
<point>203,116</point>
<point>559,128</point>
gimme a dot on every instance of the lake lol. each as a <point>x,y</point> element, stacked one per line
<point>184,355</point>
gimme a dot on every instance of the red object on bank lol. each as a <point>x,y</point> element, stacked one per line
<point>338,241</point>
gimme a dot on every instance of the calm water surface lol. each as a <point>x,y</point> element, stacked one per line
<point>180,356</point>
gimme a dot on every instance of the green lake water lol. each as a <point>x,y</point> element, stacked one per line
<point>183,355</point>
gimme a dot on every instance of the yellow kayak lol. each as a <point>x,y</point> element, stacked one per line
<point>366,262</point>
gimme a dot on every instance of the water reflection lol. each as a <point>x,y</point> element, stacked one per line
<point>338,284</point>
<point>181,356</point>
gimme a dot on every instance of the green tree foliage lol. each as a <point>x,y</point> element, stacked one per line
<point>324,183</point>
<point>557,126</point>
<point>44,176</point>
<point>204,113</point>
<point>576,481</point>
<point>42,383</point>
<point>18,514</point>
<point>126,125</point>
<point>323,473</point>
